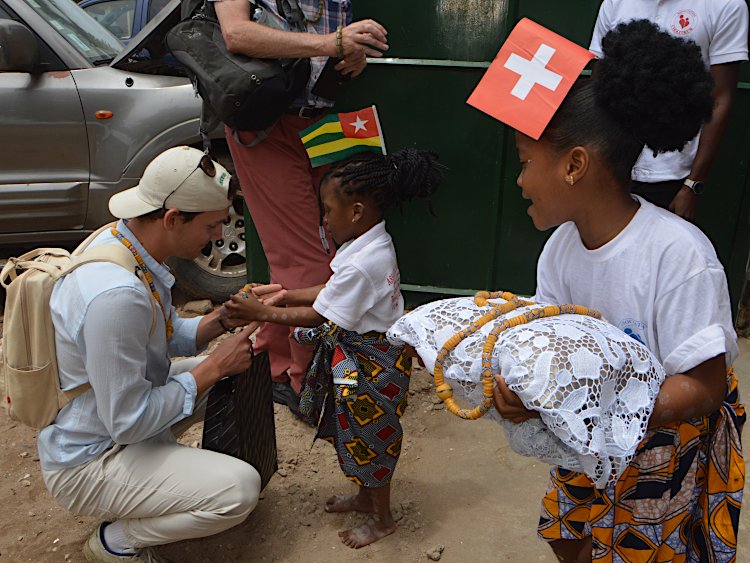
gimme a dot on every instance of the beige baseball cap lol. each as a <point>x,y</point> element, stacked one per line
<point>176,179</point>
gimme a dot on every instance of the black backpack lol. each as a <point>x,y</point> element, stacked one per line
<point>245,93</point>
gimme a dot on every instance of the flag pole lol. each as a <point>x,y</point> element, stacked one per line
<point>380,130</point>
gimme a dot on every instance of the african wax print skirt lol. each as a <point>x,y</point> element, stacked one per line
<point>359,382</point>
<point>678,500</point>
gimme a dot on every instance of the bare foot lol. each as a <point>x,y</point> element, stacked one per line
<point>367,533</point>
<point>349,503</point>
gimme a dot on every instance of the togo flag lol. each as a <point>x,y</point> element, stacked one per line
<point>340,135</point>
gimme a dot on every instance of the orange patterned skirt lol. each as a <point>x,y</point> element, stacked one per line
<point>679,500</point>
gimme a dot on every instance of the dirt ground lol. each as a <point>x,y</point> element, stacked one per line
<point>458,487</point>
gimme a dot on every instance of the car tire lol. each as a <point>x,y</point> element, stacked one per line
<point>220,270</point>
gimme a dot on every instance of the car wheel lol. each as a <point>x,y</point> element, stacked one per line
<point>220,269</point>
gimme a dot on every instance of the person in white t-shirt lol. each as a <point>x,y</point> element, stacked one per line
<point>657,278</point>
<point>357,379</point>
<point>674,180</point>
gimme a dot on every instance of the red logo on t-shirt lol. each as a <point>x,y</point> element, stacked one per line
<point>683,22</point>
<point>394,280</point>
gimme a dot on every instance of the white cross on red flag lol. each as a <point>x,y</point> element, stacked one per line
<point>529,78</point>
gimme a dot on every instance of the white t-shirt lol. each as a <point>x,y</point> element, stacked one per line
<point>718,27</point>
<point>658,280</point>
<point>364,292</point>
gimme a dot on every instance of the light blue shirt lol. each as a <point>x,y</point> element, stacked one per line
<point>102,316</point>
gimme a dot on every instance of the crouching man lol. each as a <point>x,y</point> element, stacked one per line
<point>111,452</point>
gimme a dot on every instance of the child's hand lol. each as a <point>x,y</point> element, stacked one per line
<point>272,294</point>
<point>508,404</point>
<point>245,309</point>
<point>411,352</point>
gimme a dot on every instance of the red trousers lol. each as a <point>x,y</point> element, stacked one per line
<point>281,191</point>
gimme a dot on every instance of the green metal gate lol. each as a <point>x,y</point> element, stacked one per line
<point>482,237</point>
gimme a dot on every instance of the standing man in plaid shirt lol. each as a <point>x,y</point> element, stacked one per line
<point>278,183</point>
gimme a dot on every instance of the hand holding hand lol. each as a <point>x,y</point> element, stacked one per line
<point>270,294</point>
<point>244,309</point>
<point>508,404</point>
<point>228,323</point>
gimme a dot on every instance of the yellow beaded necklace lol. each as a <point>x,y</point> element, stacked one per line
<point>316,18</point>
<point>149,278</point>
<point>445,392</point>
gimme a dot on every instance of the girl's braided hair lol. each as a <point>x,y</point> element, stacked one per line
<point>389,179</point>
<point>650,89</point>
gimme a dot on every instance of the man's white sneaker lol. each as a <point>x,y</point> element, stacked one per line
<point>95,552</point>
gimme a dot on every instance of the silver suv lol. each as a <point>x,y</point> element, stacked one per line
<point>81,117</point>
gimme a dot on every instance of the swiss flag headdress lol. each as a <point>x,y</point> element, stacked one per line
<point>529,78</point>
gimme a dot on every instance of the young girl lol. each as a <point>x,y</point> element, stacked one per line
<point>357,379</point>
<point>656,277</point>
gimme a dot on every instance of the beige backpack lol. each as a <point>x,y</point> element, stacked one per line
<point>32,384</point>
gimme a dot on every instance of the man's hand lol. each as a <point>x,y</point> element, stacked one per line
<point>230,357</point>
<point>364,38</point>
<point>358,41</point>
<point>508,404</point>
<point>352,66</point>
<point>227,321</point>
<point>685,204</point>
<point>233,355</point>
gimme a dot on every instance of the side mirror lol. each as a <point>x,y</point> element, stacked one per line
<point>19,49</point>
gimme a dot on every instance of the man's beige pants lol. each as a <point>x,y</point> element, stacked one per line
<point>161,491</point>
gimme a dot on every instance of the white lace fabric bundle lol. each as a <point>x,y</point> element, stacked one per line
<point>593,385</point>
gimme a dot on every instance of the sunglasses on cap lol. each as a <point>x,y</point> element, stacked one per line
<point>205,164</point>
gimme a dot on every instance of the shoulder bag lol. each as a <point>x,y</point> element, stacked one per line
<point>245,93</point>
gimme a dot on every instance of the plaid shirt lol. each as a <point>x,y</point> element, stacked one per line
<point>335,13</point>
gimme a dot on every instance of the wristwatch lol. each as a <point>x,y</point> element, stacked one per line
<point>696,186</point>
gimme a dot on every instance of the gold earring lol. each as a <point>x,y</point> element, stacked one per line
<point>569,179</point>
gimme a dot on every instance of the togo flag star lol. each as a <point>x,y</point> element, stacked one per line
<point>359,124</point>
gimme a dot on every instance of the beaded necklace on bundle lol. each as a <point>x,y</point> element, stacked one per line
<point>149,278</point>
<point>445,392</point>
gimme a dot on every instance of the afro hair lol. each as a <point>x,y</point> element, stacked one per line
<point>654,84</point>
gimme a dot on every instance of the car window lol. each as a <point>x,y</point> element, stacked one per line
<point>84,33</point>
<point>116,15</point>
<point>155,7</point>
<point>4,15</point>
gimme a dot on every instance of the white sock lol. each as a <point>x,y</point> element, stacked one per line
<point>115,539</point>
